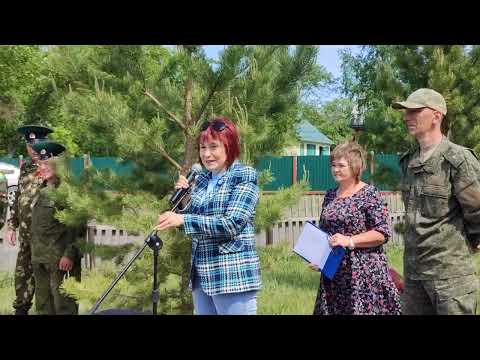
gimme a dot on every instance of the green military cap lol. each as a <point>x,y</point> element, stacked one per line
<point>422,98</point>
<point>47,149</point>
<point>34,133</point>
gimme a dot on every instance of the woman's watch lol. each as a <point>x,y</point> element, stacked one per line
<point>351,245</point>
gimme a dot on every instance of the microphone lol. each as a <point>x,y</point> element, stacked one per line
<point>196,169</point>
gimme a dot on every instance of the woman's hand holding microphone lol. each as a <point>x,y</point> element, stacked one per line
<point>182,183</point>
<point>170,219</point>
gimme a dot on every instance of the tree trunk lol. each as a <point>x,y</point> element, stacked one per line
<point>190,157</point>
<point>190,146</point>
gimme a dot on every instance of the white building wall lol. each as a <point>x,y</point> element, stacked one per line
<point>294,150</point>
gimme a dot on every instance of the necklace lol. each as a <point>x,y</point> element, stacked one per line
<point>347,193</point>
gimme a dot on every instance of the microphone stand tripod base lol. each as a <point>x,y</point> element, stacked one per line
<point>155,243</point>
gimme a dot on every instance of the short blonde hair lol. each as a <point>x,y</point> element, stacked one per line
<point>353,154</point>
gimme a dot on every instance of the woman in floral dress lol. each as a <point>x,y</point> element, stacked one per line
<point>357,219</point>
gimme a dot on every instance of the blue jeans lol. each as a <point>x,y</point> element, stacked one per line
<point>242,303</point>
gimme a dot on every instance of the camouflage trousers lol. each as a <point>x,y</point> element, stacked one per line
<point>454,296</point>
<point>24,280</point>
<point>49,300</point>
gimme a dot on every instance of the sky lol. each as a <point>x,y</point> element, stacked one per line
<point>328,57</point>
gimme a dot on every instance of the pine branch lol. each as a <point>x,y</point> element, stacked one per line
<point>160,105</point>
<point>269,57</point>
<point>222,76</point>
<point>162,152</point>
<point>159,149</point>
<point>213,90</point>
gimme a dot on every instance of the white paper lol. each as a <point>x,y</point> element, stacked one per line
<point>313,245</point>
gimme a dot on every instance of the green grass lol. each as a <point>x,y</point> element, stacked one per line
<point>395,257</point>
<point>289,286</point>
<point>7,293</point>
<point>477,263</point>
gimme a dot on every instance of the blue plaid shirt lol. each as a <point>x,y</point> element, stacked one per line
<point>221,224</point>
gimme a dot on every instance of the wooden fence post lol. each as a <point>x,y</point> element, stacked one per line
<point>86,161</point>
<point>90,236</point>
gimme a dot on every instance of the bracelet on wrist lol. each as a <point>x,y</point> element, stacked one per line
<point>351,244</point>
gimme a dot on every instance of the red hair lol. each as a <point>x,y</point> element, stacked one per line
<point>229,137</point>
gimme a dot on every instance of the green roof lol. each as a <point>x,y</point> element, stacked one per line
<point>309,133</point>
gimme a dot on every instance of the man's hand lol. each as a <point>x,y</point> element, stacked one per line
<point>65,264</point>
<point>12,237</point>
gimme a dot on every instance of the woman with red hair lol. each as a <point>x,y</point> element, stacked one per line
<point>225,273</point>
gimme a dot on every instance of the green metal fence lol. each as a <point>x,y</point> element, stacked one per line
<point>281,168</point>
<point>118,166</point>
<point>9,160</point>
<point>315,168</point>
<point>390,162</point>
<point>77,164</point>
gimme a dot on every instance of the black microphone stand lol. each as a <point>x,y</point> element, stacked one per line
<point>155,243</point>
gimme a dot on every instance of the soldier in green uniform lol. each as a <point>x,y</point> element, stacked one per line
<point>441,192</point>
<point>20,217</point>
<point>3,199</point>
<point>55,250</point>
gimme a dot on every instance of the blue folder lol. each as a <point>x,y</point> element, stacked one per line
<point>313,246</point>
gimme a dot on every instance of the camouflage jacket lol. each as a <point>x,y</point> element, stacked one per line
<point>50,238</point>
<point>3,199</point>
<point>442,203</point>
<point>21,211</point>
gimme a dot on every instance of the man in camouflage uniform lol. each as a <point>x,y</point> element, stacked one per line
<point>441,192</point>
<point>20,218</point>
<point>3,199</point>
<point>55,249</point>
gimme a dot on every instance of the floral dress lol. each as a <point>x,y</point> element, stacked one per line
<point>362,284</point>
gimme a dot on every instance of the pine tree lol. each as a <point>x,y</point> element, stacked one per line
<point>20,67</point>
<point>332,118</point>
